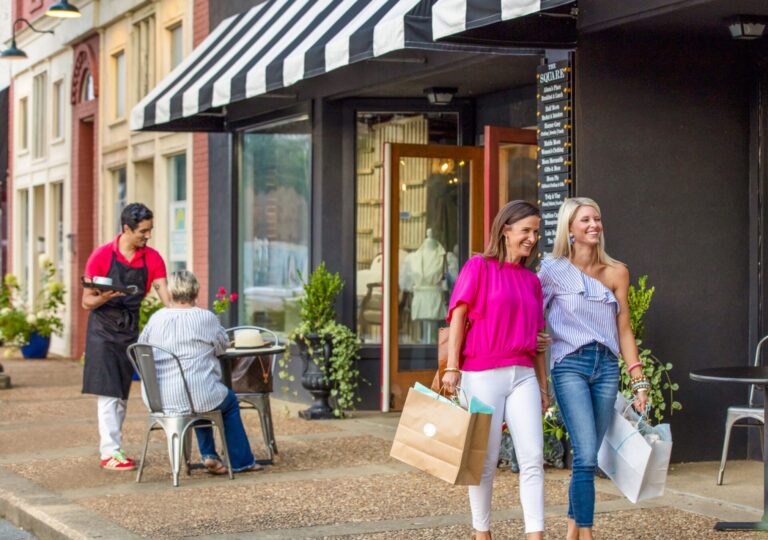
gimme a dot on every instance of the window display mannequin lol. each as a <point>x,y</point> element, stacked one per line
<point>423,274</point>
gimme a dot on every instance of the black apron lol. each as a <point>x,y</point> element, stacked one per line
<point>111,328</point>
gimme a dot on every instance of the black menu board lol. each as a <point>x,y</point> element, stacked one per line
<point>554,113</point>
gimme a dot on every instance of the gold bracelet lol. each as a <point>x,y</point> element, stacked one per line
<point>452,369</point>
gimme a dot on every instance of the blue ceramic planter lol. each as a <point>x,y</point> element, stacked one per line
<point>37,346</point>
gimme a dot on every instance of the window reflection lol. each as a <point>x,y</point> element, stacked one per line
<point>373,131</point>
<point>274,225</point>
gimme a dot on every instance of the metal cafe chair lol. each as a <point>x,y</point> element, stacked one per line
<point>740,416</point>
<point>175,426</point>
<point>259,400</point>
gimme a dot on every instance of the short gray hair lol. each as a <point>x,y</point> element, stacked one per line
<point>183,286</point>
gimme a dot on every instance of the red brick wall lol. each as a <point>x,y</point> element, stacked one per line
<point>10,200</point>
<point>30,9</point>
<point>200,174</point>
<point>85,147</point>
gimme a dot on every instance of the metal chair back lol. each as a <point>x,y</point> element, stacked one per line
<point>142,356</point>
<point>756,362</point>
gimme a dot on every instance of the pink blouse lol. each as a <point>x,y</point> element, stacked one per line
<point>506,312</point>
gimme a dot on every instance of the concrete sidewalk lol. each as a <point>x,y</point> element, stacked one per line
<point>331,479</point>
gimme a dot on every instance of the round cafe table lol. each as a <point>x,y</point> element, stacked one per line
<point>757,375</point>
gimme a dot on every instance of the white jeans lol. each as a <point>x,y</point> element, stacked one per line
<point>111,414</point>
<point>514,393</point>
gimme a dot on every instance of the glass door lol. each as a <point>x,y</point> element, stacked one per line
<point>433,221</point>
<point>510,169</point>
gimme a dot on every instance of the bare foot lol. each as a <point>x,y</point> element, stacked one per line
<point>215,466</point>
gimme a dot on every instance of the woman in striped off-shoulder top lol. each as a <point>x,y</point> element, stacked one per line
<point>585,293</point>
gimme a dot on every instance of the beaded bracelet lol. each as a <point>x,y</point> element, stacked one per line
<point>640,385</point>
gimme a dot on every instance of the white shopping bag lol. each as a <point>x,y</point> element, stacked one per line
<point>634,454</point>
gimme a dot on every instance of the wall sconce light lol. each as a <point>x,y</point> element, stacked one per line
<point>63,10</point>
<point>440,95</point>
<point>746,26</point>
<point>13,52</point>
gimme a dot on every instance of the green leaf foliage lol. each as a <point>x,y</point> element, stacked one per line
<point>318,315</point>
<point>19,317</point>
<point>662,392</point>
<point>149,305</point>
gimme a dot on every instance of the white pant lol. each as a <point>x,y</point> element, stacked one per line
<point>111,414</point>
<point>514,393</point>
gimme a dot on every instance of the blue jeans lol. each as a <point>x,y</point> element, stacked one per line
<point>585,384</point>
<point>240,455</point>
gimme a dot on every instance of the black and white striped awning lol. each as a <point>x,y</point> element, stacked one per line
<point>281,42</point>
<point>452,17</point>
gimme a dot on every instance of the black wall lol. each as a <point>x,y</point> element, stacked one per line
<point>515,107</point>
<point>662,144</point>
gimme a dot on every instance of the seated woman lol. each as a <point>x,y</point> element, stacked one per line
<point>196,337</point>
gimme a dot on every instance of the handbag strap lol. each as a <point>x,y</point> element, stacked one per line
<point>642,417</point>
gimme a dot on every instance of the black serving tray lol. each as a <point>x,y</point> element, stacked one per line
<point>129,290</point>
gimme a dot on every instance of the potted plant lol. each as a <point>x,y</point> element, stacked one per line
<point>29,326</point>
<point>329,350</point>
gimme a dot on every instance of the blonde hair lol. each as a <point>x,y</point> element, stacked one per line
<point>510,213</point>
<point>183,286</point>
<point>565,216</point>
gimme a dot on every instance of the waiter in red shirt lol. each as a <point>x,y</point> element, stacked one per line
<point>113,324</point>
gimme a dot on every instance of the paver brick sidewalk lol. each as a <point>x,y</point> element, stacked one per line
<point>331,479</point>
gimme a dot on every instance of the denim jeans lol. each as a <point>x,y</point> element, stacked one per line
<point>585,384</point>
<point>240,455</point>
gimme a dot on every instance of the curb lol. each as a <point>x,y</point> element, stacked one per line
<point>51,517</point>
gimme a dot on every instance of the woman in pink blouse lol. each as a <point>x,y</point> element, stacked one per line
<point>503,301</point>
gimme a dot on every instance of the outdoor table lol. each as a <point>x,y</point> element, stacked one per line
<point>757,375</point>
<point>256,400</point>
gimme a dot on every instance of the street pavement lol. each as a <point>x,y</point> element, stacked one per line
<point>9,532</point>
<point>331,479</point>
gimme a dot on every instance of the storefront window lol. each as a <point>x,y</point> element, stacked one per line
<point>274,215</point>
<point>58,224</point>
<point>373,130</point>
<point>177,175</point>
<point>119,180</point>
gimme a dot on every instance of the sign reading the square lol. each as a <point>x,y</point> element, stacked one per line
<point>554,113</point>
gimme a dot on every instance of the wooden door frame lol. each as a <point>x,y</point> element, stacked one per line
<point>393,152</point>
<point>493,136</point>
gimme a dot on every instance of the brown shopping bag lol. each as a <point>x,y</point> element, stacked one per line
<point>441,438</point>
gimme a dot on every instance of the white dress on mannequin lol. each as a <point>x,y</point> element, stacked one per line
<point>424,273</point>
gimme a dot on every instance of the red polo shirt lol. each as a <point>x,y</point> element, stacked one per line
<point>101,258</point>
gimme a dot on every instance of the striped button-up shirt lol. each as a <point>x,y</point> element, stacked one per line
<point>196,337</point>
<point>580,309</point>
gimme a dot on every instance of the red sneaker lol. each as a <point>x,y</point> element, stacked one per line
<point>118,462</point>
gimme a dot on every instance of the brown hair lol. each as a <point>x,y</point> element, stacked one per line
<point>510,213</point>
